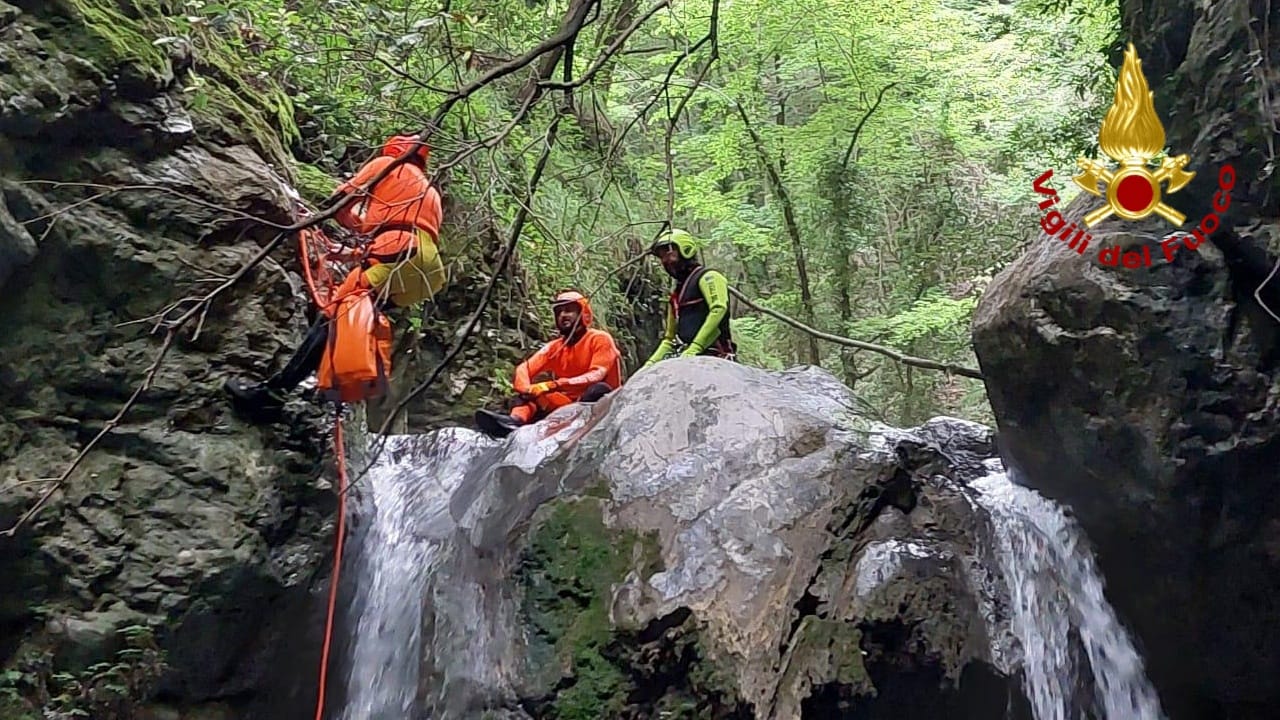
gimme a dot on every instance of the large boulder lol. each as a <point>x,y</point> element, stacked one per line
<point>1146,398</point>
<point>713,540</point>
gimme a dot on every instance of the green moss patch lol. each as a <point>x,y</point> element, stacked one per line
<point>570,568</point>
<point>99,31</point>
<point>131,41</point>
<point>829,649</point>
<point>588,668</point>
<point>315,185</point>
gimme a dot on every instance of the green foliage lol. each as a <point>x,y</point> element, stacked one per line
<point>934,315</point>
<point>314,184</point>
<point>898,227</point>
<point>103,691</point>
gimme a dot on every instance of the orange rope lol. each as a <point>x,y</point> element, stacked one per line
<point>337,558</point>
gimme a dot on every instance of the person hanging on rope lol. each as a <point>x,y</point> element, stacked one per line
<point>698,310</point>
<point>400,216</point>
<point>584,365</point>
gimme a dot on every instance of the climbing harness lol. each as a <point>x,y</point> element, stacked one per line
<point>322,268</point>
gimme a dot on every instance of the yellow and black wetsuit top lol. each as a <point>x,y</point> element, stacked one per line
<point>698,314</point>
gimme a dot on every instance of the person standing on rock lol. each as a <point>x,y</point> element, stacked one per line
<point>401,215</point>
<point>584,364</point>
<point>698,312</point>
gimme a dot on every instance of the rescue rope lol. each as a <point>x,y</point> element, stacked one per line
<point>341,461</point>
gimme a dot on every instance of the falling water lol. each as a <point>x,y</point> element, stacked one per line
<point>407,519</point>
<point>1056,590</point>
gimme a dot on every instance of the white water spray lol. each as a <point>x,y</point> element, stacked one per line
<point>1055,588</point>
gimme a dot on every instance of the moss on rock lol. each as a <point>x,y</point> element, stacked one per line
<point>823,652</point>
<point>99,31</point>
<point>316,185</point>
<point>138,45</point>
<point>570,568</point>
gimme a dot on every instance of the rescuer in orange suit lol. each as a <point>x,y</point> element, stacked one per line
<point>400,215</point>
<point>584,364</point>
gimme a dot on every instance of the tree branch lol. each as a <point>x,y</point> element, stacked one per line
<point>850,342</point>
<point>666,82</point>
<point>607,53</point>
<point>792,226</point>
<point>713,36</point>
<point>857,131</point>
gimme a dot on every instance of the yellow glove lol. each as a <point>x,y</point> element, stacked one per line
<point>542,387</point>
<point>691,351</point>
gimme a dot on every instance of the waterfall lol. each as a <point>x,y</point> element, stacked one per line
<point>1056,595</point>
<point>407,521</point>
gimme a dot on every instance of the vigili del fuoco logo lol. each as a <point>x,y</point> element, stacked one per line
<point>1134,183</point>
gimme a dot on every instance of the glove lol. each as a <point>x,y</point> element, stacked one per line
<point>691,351</point>
<point>542,387</point>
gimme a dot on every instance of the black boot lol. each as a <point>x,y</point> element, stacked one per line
<point>259,401</point>
<point>266,399</point>
<point>495,424</point>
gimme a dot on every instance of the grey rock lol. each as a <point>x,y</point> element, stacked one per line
<point>17,247</point>
<point>1145,399</point>
<point>210,530</point>
<point>724,537</point>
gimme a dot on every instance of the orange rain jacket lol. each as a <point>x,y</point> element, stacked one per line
<point>401,202</point>
<point>592,358</point>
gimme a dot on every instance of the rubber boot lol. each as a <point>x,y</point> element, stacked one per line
<point>259,401</point>
<point>265,399</point>
<point>496,424</point>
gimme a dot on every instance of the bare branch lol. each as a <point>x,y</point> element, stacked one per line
<point>666,83</point>
<point>792,225</point>
<point>713,35</point>
<point>84,452</point>
<point>607,53</point>
<point>850,342</point>
<point>857,131</point>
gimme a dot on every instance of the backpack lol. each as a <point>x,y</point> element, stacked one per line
<point>356,363</point>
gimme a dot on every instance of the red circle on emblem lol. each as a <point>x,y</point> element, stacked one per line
<point>1134,193</point>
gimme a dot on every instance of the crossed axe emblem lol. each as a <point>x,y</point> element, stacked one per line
<point>1171,169</point>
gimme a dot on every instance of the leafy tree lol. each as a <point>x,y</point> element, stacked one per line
<point>862,166</point>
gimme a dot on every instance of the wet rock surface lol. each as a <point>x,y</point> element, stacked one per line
<point>185,520</point>
<point>713,540</point>
<point>1145,399</point>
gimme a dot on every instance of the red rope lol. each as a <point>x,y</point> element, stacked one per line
<point>337,558</point>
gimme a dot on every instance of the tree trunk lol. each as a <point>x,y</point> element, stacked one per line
<point>793,232</point>
<point>574,17</point>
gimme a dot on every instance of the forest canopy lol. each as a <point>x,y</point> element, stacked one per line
<point>862,167</point>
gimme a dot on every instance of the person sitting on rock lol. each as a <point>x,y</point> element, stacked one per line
<point>584,364</point>
<point>698,311</point>
<point>401,216</point>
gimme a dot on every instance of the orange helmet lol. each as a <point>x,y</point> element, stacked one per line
<point>398,145</point>
<point>573,296</point>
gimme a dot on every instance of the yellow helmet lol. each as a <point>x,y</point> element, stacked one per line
<point>682,240</point>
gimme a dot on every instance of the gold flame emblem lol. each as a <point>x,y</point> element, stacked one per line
<point>1131,134</point>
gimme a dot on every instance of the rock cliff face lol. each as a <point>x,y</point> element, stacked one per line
<point>1146,398</point>
<point>745,553</point>
<point>208,533</point>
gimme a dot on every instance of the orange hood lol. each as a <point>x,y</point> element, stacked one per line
<point>572,296</point>
<point>398,145</point>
